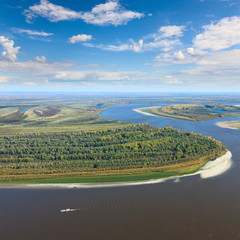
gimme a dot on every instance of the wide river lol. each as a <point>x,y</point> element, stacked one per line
<point>192,209</point>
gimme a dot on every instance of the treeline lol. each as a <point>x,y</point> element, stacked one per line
<point>132,146</point>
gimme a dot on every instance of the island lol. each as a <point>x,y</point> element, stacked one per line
<point>193,112</point>
<point>128,153</point>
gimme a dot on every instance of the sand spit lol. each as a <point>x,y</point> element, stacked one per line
<point>217,167</point>
<point>211,169</point>
<point>229,124</point>
<point>139,110</point>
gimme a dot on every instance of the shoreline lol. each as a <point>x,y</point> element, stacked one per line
<point>210,169</point>
<point>227,124</point>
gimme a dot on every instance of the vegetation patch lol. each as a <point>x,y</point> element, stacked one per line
<point>47,111</point>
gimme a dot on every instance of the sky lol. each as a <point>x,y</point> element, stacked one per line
<point>120,46</point>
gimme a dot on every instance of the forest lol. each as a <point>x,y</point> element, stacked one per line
<point>134,146</point>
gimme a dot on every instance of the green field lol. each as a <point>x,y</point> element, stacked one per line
<point>195,112</point>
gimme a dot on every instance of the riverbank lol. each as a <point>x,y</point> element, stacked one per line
<point>229,124</point>
<point>210,169</point>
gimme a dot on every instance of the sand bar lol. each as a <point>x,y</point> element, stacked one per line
<point>139,110</point>
<point>229,124</point>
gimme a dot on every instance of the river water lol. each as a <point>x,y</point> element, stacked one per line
<point>193,208</point>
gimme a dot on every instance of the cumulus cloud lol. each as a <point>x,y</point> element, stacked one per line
<point>109,13</point>
<point>32,32</point>
<point>41,59</point>
<point>195,52</point>
<point>138,46</point>
<point>10,52</point>
<point>80,38</point>
<point>220,35</point>
<point>179,55</point>
<point>172,30</point>
<point>185,56</point>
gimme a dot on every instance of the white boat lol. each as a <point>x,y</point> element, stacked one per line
<point>67,210</point>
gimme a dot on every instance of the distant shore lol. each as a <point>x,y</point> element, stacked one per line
<point>228,124</point>
<point>210,169</point>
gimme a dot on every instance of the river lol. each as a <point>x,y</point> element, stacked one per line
<point>193,208</point>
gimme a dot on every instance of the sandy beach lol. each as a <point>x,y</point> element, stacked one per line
<point>211,169</point>
<point>229,125</point>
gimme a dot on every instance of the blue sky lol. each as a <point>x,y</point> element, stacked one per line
<point>125,45</point>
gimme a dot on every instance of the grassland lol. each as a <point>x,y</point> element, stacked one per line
<point>54,117</point>
<point>194,112</point>
<point>78,176</point>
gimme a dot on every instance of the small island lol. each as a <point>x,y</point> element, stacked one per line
<point>229,124</point>
<point>193,112</point>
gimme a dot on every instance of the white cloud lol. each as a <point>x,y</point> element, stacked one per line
<point>3,79</point>
<point>100,75</point>
<point>179,55</point>
<point>52,12</point>
<point>221,35</point>
<point>41,59</point>
<point>33,67</point>
<point>29,83</point>
<point>161,44</point>
<point>171,30</point>
<point>80,38</point>
<point>32,32</point>
<point>10,52</point>
<point>195,52</point>
<point>114,48</point>
<point>218,64</point>
<point>138,46</point>
<point>109,13</point>
<point>164,40</point>
<point>185,56</point>
<point>172,80</point>
<point>40,72</point>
